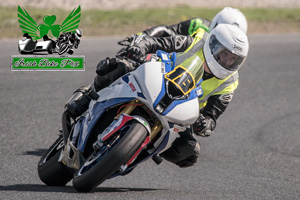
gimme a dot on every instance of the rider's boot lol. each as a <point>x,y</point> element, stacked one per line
<point>80,100</point>
<point>184,151</point>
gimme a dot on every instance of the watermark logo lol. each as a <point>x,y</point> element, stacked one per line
<point>40,40</point>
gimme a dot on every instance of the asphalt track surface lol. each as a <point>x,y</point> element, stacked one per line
<point>253,154</point>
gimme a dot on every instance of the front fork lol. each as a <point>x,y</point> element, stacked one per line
<point>157,127</point>
<point>66,125</point>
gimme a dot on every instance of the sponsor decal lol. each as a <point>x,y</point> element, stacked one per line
<point>132,87</point>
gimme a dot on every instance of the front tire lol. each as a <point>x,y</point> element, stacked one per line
<point>63,48</point>
<point>94,173</point>
<point>50,171</point>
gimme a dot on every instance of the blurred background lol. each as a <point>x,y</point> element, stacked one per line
<point>122,18</point>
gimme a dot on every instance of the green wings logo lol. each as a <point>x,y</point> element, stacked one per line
<point>28,25</point>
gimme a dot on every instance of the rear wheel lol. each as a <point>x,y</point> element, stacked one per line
<point>50,171</point>
<point>101,165</point>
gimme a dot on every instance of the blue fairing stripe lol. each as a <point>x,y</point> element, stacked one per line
<point>97,113</point>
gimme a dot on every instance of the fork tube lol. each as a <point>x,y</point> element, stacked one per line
<point>155,129</point>
<point>128,109</point>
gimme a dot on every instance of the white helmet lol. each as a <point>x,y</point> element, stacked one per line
<point>225,50</point>
<point>78,33</point>
<point>230,16</point>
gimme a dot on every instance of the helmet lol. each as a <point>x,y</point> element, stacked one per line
<point>78,33</point>
<point>230,16</point>
<point>225,50</point>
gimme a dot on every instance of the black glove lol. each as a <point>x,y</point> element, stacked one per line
<point>136,53</point>
<point>204,126</point>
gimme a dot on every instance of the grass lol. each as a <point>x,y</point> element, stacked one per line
<point>124,23</point>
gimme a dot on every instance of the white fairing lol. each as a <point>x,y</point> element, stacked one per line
<point>148,80</point>
<point>184,113</point>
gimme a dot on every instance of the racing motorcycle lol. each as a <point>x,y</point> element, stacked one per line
<point>67,42</point>
<point>134,119</point>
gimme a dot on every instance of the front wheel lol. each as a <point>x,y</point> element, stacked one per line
<point>63,48</point>
<point>50,171</point>
<point>99,167</point>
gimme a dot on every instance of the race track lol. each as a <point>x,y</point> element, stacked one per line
<point>253,154</point>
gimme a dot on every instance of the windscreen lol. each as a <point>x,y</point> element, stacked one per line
<point>187,72</point>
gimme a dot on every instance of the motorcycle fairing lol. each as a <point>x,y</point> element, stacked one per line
<point>155,90</point>
<point>139,85</point>
<point>92,116</point>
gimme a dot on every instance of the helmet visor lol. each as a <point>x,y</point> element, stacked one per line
<point>223,56</point>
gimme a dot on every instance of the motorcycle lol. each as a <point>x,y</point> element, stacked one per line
<point>134,119</point>
<point>66,44</point>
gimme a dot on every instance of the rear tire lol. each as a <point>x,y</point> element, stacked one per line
<point>91,175</point>
<point>50,171</point>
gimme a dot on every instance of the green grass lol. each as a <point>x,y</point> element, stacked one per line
<point>121,23</point>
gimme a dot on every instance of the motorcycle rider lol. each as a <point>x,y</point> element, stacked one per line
<point>69,37</point>
<point>224,50</point>
<point>109,69</point>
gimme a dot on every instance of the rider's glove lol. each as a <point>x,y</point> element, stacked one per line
<point>204,126</point>
<point>136,53</point>
<point>138,48</point>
